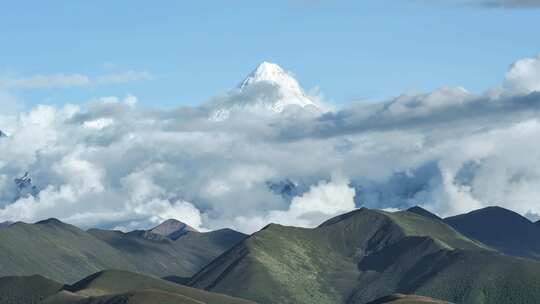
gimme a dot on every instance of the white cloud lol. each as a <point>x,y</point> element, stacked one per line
<point>109,163</point>
<point>72,80</point>
<point>322,201</point>
<point>524,75</point>
<point>125,77</point>
<point>47,81</point>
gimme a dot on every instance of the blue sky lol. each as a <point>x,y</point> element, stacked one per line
<point>189,51</point>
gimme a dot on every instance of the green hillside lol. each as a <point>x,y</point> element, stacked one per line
<point>106,287</point>
<point>115,282</point>
<point>66,253</point>
<point>166,257</point>
<point>502,229</point>
<point>23,290</point>
<point>364,255</point>
<point>55,250</point>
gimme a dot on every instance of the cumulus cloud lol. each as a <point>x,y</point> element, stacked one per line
<point>524,75</point>
<point>112,164</point>
<point>320,202</point>
<point>72,80</point>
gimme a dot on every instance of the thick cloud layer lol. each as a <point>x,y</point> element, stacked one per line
<point>112,164</point>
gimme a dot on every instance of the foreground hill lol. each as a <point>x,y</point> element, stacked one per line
<point>30,289</point>
<point>66,253</point>
<point>106,287</point>
<point>407,299</point>
<point>364,255</point>
<point>502,229</point>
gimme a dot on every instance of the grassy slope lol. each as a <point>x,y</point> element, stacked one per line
<point>501,229</point>
<point>294,265</point>
<point>418,225</point>
<point>363,255</point>
<point>56,250</point>
<point>106,287</point>
<point>481,277</point>
<point>66,253</point>
<point>421,211</point>
<point>127,287</point>
<point>164,257</point>
<point>31,289</point>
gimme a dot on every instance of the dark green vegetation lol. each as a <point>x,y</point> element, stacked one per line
<point>106,287</point>
<point>366,254</point>
<point>406,299</point>
<point>66,253</point>
<point>423,212</point>
<point>501,229</point>
<point>26,290</point>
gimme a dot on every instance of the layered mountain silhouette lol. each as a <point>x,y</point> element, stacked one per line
<point>502,229</point>
<point>364,256</point>
<point>65,253</point>
<point>367,254</point>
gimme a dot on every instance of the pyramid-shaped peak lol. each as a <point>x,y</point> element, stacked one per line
<point>268,68</point>
<point>423,212</point>
<point>273,73</point>
<point>50,221</point>
<point>172,228</point>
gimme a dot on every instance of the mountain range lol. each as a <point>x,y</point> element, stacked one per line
<point>364,256</point>
<point>65,253</point>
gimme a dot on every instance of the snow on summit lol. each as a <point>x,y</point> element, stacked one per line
<point>269,89</point>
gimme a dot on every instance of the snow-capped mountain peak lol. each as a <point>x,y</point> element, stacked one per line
<point>268,89</point>
<point>273,73</point>
<point>291,91</point>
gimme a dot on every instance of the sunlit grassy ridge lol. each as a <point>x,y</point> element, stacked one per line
<point>363,255</point>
